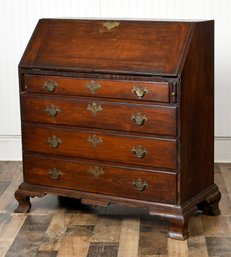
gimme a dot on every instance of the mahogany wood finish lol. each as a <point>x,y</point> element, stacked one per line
<point>159,120</point>
<point>129,48</point>
<point>111,146</point>
<point>157,91</point>
<point>197,113</point>
<point>120,112</point>
<point>80,175</point>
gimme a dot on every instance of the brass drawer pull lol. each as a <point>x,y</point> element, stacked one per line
<point>139,152</point>
<point>138,119</point>
<point>139,91</point>
<point>93,86</point>
<point>96,171</point>
<point>50,85</point>
<point>54,141</point>
<point>94,140</point>
<point>139,184</point>
<point>52,110</point>
<point>94,108</point>
<point>55,173</point>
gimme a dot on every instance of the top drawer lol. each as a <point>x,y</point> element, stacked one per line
<point>121,89</point>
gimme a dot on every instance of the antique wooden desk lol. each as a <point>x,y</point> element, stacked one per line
<point>120,112</point>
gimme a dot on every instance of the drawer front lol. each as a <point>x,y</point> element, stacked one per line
<point>100,114</point>
<point>108,146</point>
<point>121,89</point>
<point>100,178</point>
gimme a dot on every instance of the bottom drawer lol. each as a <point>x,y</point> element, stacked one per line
<point>100,178</point>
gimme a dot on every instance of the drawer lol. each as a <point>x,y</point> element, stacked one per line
<point>104,179</point>
<point>100,145</point>
<point>160,120</point>
<point>121,89</point>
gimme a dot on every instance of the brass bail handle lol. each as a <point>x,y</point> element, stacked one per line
<point>138,119</point>
<point>139,184</point>
<point>139,91</point>
<point>52,110</point>
<point>50,86</point>
<point>139,152</point>
<point>54,141</point>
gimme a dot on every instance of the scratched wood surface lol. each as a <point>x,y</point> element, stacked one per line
<point>58,227</point>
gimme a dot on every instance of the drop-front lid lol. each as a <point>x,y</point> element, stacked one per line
<point>120,47</point>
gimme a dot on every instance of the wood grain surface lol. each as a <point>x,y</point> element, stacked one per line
<point>79,175</point>
<point>64,227</point>
<point>95,113</point>
<point>101,145</point>
<point>122,49</point>
<point>118,89</point>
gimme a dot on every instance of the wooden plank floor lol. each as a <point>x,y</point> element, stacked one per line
<point>62,227</point>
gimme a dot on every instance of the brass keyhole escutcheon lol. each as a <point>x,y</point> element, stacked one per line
<point>139,91</point>
<point>139,152</point>
<point>52,110</point>
<point>50,85</point>
<point>54,141</point>
<point>111,24</point>
<point>138,119</point>
<point>54,173</point>
<point>94,140</point>
<point>139,184</point>
<point>94,108</point>
<point>93,86</point>
<point>96,171</point>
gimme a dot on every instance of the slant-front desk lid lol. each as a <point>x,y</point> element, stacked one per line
<point>120,47</point>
